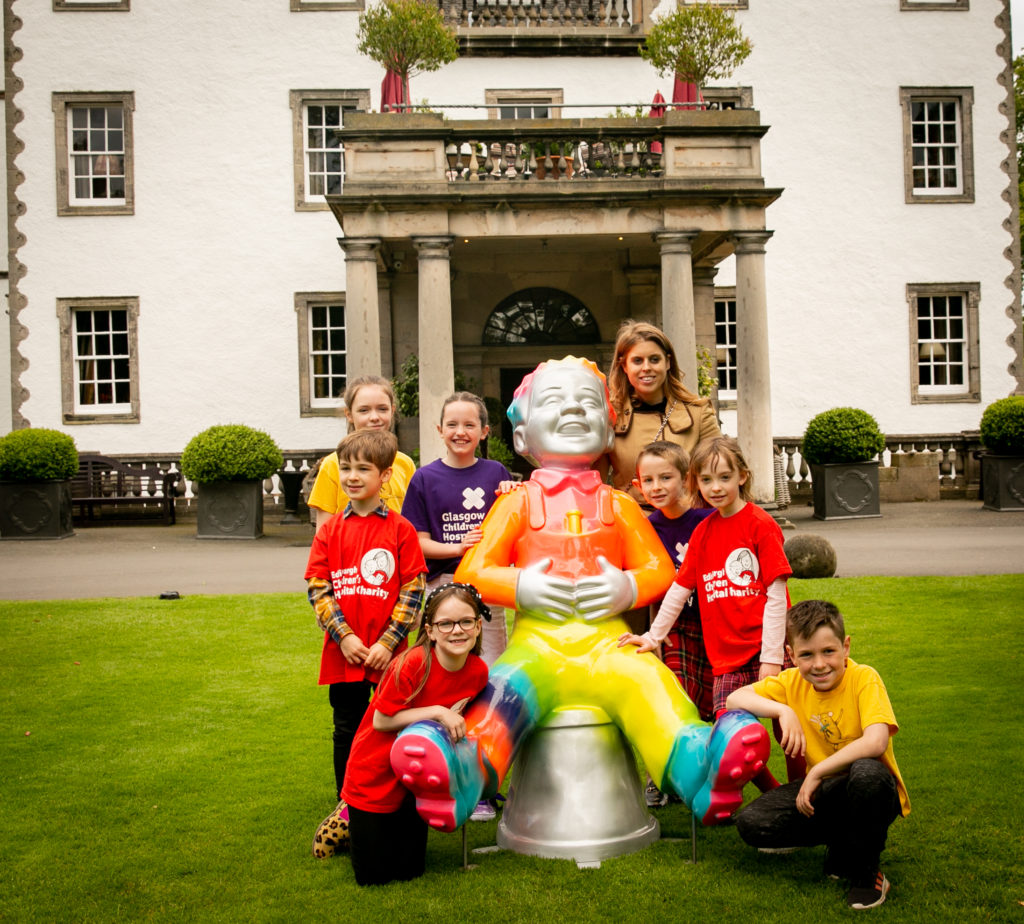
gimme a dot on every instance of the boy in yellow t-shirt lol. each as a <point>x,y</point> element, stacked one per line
<point>835,713</point>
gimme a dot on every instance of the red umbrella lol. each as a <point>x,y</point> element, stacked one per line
<point>683,92</point>
<point>657,111</point>
<point>391,93</point>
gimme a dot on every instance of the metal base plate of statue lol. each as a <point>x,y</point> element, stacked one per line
<point>575,792</point>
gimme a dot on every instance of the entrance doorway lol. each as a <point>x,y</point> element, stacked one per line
<point>509,379</point>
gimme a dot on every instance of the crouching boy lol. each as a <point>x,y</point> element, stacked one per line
<point>836,714</point>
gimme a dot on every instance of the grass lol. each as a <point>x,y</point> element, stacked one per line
<point>169,761</point>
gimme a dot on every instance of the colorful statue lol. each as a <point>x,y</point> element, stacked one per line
<point>571,554</point>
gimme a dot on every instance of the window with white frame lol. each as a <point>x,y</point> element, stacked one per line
<point>937,139</point>
<point>322,352</point>
<point>99,359</point>
<point>944,342</point>
<point>523,104</point>
<point>319,155</point>
<point>94,153</point>
<point>725,346</point>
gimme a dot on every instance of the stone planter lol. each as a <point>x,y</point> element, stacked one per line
<point>35,510</point>
<point>229,510</point>
<point>845,490</point>
<point>1002,479</point>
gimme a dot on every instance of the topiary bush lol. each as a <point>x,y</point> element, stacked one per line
<point>37,454</point>
<point>230,452</point>
<point>842,434</point>
<point>1002,426</point>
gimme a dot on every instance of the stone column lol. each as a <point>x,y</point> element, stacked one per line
<point>362,307</point>
<point>704,317</point>
<point>435,348</point>
<point>753,378</point>
<point>677,311</point>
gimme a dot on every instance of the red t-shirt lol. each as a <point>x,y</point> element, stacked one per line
<point>370,783</point>
<point>730,562</point>
<point>367,560</point>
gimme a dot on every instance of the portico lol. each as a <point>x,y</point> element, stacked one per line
<point>448,219</point>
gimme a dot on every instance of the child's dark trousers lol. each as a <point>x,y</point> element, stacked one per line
<point>349,702</point>
<point>852,814</point>
<point>389,846</point>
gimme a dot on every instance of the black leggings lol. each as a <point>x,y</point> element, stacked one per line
<point>852,814</point>
<point>349,702</point>
<point>388,846</point>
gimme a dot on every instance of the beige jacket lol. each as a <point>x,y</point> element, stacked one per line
<point>687,426</point>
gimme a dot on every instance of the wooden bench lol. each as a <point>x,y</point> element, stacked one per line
<point>103,483</point>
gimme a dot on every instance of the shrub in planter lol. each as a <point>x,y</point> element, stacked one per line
<point>36,466</point>
<point>1002,465</point>
<point>230,462</point>
<point>37,454</point>
<point>843,434</point>
<point>230,452</point>
<point>1002,426</point>
<point>839,445</point>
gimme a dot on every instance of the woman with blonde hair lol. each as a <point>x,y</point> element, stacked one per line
<point>651,402</point>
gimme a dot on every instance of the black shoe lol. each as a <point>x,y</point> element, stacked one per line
<point>869,895</point>
<point>833,868</point>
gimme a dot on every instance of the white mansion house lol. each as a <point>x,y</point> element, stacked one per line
<point>192,241</point>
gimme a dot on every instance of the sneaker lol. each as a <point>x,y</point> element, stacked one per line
<point>653,796</point>
<point>484,811</point>
<point>870,895</point>
<point>833,869</point>
<point>332,835</point>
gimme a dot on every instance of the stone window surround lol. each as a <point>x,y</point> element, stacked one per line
<point>92,6</point>
<point>316,6</point>
<point>298,100</point>
<point>935,5</point>
<point>304,301</point>
<point>552,98</point>
<point>971,292</point>
<point>66,307</point>
<point>61,103</point>
<point>965,99</point>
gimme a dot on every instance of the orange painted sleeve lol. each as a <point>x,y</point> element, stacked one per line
<point>487,565</point>
<point>645,556</point>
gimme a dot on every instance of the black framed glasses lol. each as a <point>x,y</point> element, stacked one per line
<point>447,626</point>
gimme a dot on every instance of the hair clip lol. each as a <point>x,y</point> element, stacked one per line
<point>482,609</point>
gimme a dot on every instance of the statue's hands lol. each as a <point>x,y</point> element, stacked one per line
<point>543,596</point>
<point>607,594</point>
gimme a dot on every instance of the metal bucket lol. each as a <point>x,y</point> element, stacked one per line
<point>575,792</point>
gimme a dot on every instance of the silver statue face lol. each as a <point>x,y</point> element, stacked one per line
<point>568,422</point>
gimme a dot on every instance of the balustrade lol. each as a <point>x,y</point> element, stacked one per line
<point>564,14</point>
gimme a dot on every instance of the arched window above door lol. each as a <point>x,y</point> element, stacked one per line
<point>541,316</point>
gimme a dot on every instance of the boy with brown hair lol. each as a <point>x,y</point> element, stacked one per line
<point>837,714</point>
<point>365,581</point>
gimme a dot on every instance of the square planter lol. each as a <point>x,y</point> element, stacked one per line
<point>845,490</point>
<point>35,510</point>
<point>229,510</point>
<point>1002,479</point>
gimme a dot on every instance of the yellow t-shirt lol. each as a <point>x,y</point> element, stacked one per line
<point>328,496</point>
<point>832,720</point>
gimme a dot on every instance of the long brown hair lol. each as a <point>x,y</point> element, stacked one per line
<point>709,452</point>
<point>630,334</point>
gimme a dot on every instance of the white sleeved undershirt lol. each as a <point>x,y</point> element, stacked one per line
<point>773,627</point>
<point>668,612</point>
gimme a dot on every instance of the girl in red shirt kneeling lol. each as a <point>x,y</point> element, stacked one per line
<point>433,680</point>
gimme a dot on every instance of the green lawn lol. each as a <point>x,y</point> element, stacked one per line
<point>170,760</point>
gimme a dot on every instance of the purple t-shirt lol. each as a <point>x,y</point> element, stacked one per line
<point>448,502</point>
<point>674,535</point>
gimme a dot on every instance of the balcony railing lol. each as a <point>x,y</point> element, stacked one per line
<point>490,14</point>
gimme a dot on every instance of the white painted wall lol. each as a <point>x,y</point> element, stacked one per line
<point>215,250</point>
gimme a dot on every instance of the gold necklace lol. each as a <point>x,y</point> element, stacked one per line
<point>664,421</point>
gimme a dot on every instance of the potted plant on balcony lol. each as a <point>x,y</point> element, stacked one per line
<point>407,37</point>
<point>230,463</point>
<point>1002,464</point>
<point>841,445</point>
<point>696,43</point>
<point>36,468</point>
